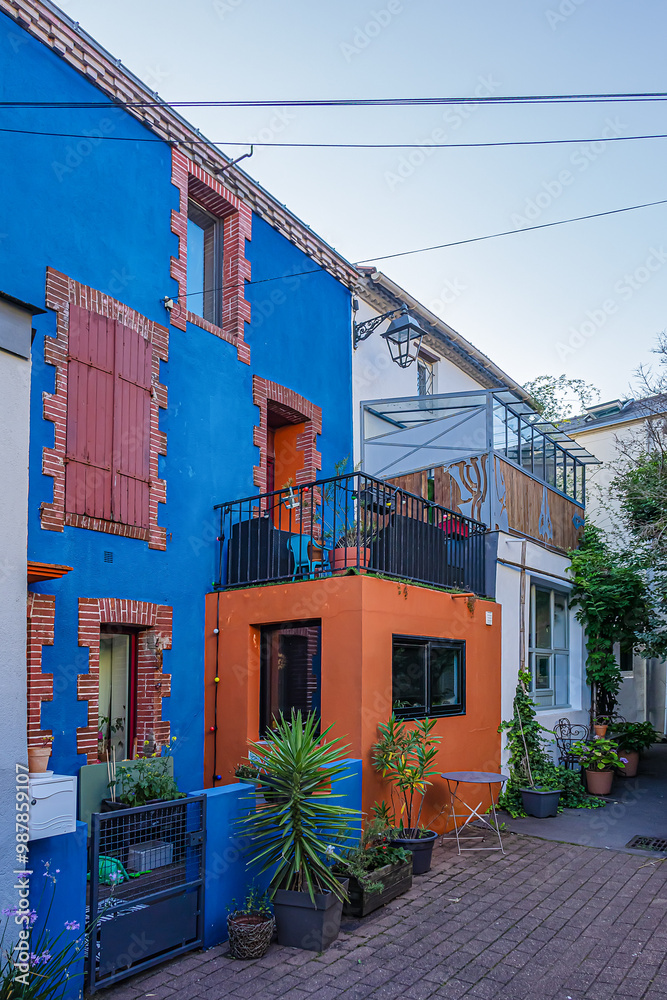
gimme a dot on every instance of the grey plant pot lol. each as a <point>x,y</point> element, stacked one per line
<point>421,849</point>
<point>541,802</point>
<point>300,924</point>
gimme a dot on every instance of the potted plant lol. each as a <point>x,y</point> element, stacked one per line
<point>631,738</point>
<point>292,836</point>
<point>38,756</point>
<point>601,725</point>
<point>377,872</point>
<point>142,782</point>
<point>250,927</point>
<point>598,759</point>
<point>356,538</point>
<point>529,762</point>
<point>404,755</point>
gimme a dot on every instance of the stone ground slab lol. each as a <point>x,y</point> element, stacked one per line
<point>546,920</point>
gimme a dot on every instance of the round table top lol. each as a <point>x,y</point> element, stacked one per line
<point>475,777</point>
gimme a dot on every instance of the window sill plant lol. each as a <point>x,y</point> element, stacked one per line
<point>598,759</point>
<point>142,782</point>
<point>405,756</point>
<point>38,756</point>
<point>292,836</point>
<point>377,872</point>
<point>250,927</point>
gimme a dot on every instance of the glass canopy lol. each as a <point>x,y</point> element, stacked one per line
<point>410,433</point>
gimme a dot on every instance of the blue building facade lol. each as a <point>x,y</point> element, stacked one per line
<point>126,463</point>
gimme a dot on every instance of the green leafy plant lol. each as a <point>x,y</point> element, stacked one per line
<point>41,968</point>
<point>530,762</point>
<point>247,771</point>
<point>614,605</point>
<point>255,904</point>
<point>598,755</point>
<point>635,736</point>
<point>363,862</point>
<point>405,755</point>
<point>146,780</point>
<point>294,833</point>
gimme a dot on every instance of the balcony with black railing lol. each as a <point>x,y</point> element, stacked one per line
<point>350,522</point>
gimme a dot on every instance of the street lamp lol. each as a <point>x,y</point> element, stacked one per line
<point>403,335</point>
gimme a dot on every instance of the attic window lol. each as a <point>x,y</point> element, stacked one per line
<point>205,257</point>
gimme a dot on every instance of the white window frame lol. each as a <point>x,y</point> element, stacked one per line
<point>552,651</point>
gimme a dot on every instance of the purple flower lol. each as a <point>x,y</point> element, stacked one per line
<point>33,916</point>
<point>623,760</point>
<point>72,925</point>
<point>10,911</point>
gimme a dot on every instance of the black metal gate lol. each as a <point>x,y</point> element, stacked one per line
<point>146,887</point>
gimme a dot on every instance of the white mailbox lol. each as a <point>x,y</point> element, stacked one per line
<point>52,805</point>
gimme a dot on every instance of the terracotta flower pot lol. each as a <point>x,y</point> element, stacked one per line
<point>38,759</point>
<point>630,769</point>
<point>346,558</point>
<point>600,730</point>
<point>599,782</point>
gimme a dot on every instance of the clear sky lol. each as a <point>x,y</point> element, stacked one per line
<point>586,299</point>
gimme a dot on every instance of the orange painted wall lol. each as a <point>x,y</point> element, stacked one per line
<point>359,616</point>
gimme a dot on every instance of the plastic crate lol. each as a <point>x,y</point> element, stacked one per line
<point>152,854</point>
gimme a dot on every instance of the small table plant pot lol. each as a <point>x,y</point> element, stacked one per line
<point>600,729</point>
<point>38,759</point>
<point>599,782</point>
<point>396,879</point>
<point>541,802</point>
<point>249,934</point>
<point>630,769</point>
<point>421,849</point>
<point>302,924</point>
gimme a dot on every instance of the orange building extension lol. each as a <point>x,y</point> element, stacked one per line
<point>359,614</point>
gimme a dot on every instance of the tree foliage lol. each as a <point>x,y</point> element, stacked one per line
<point>557,397</point>
<point>614,604</point>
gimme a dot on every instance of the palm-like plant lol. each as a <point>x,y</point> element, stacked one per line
<point>295,831</point>
<point>405,756</point>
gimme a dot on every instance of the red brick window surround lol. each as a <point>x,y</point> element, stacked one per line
<point>155,630</point>
<point>295,408</point>
<point>41,624</point>
<point>116,352</point>
<point>193,182</point>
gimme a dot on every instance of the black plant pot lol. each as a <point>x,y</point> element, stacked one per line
<point>541,802</point>
<point>301,924</point>
<point>421,849</point>
<point>396,879</point>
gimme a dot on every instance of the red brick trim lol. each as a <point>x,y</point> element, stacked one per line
<point>155,621</point>
<point>193,181</point>
<point>61,292</point>
<point>296,408</point>
<point>41,626</point>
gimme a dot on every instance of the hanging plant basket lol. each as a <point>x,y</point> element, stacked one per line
<point>250,934</point>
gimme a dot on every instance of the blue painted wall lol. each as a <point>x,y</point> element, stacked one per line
<point>99,210</point>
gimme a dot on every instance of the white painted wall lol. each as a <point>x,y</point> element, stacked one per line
<point>14,421</point>
<point>375,376</point>
<point>546,567</point>
<point>601,508</point>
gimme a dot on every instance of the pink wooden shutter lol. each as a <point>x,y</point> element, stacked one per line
<point>89,414</point>
<point>131,427</point>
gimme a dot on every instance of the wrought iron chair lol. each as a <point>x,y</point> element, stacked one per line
<point>566,734</point>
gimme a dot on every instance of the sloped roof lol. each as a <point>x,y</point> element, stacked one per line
<point>616,412</point>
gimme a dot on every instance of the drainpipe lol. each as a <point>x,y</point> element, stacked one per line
<point>522,616</point>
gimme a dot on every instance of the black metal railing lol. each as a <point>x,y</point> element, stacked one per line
<point>343,523</point>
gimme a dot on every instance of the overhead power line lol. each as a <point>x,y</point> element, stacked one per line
<point>92,134</point>
<point>371,102</point>
<point>442,246</point>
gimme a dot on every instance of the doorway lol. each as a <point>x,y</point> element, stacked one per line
<point>117,695</point>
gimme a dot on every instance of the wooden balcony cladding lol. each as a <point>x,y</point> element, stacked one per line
<point>502,497</point>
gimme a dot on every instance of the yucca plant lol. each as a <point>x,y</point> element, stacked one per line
<point>295,832</point>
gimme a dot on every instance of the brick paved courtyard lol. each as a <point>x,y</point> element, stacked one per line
<point>546,920</point>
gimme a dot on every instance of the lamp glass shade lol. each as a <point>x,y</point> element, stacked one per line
<point>404,336</point>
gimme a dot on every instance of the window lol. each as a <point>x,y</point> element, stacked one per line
<point>425,377</point>
<point>205,245</point>
<point>549,647</point>
<point>290,674</point>
<point>428,677</point>
<point>107,461</point>
<point>117,694</point>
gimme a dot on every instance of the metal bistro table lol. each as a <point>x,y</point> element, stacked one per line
<point>456,778</point>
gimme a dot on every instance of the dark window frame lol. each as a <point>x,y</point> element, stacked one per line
<point>212,291</point>
<point>265,633</point>
<point>440,711</point>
